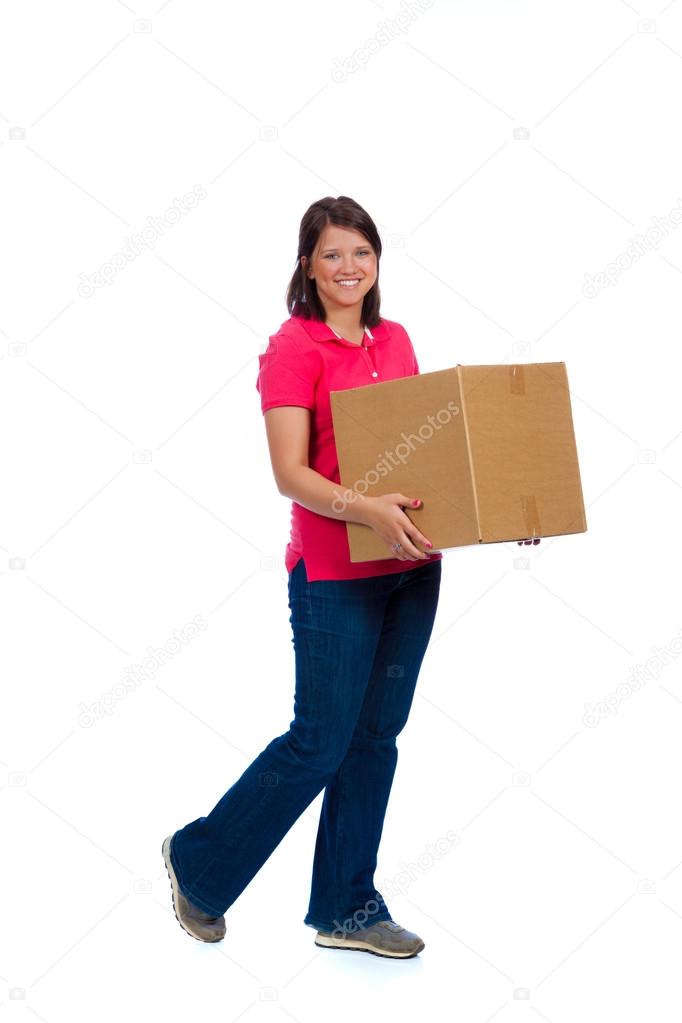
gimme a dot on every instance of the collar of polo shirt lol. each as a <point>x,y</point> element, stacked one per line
<point>319,331</point>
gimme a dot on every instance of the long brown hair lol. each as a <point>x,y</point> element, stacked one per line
<point>301,296</point>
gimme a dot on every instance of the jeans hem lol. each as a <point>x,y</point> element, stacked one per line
<point>199,903</point>
<point>330,928</point>
<point>188,893</point>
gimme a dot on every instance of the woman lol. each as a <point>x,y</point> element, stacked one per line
<point>360,630</point>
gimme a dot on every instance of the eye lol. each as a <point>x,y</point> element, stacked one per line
<point>362,252</point>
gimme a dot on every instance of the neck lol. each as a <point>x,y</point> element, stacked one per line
<point>344,320</point>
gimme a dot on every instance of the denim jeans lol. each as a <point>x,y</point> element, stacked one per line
<point>359,646</point>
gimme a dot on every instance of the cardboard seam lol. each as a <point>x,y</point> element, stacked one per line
<point>517,379</point>
<point>531,517</point>
<point>469,452</point>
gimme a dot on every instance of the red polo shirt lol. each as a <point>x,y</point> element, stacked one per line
<point>304,361</point>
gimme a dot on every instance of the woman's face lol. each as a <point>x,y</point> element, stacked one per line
<point>341,254</point>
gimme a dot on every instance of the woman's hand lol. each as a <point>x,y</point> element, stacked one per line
<point>386,516</point>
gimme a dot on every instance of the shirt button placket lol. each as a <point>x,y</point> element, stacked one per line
<point>374,373</point>
<point>369,361</point>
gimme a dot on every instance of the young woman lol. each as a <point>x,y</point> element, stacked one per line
<point>360,630</point>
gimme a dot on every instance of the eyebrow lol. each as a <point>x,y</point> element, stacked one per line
<point>365,246</point>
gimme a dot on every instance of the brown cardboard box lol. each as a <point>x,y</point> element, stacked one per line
<point>490,450</point>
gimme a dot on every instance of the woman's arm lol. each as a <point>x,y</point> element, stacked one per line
<point>288,433</point>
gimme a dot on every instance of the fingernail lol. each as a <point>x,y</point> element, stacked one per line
<point>416,502</point>
<point>429,544</point>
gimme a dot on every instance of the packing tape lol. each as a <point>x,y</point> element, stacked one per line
<point>531,519</point>
<point>517,382</point>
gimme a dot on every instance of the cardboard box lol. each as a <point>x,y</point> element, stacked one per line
<point>490,450</point>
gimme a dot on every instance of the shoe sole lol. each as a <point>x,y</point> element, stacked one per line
<point>357,946</point>
<point>175,888</point>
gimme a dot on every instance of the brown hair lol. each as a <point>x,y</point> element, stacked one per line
<point>301,296</point>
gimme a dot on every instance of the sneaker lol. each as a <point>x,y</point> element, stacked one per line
<point>384,938</point>
<point>192,919</point>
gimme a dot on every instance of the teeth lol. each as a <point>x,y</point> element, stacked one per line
<point>347,284</point>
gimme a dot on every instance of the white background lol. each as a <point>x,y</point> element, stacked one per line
<point>505,150</point>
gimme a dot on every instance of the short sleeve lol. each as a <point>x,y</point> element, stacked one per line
<point>414,370</point>
<point>286,375</point>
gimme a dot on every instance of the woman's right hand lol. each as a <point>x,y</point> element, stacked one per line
<point>386,516</point>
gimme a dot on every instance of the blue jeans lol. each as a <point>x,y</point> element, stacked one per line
<point>359,645</point>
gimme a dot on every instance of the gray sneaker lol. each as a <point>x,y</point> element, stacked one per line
<point>192,919</point>
<point>384,938</point>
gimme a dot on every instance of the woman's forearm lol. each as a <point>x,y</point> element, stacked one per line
<point>315,492</point>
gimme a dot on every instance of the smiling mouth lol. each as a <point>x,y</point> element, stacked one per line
<point>351,282</point>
